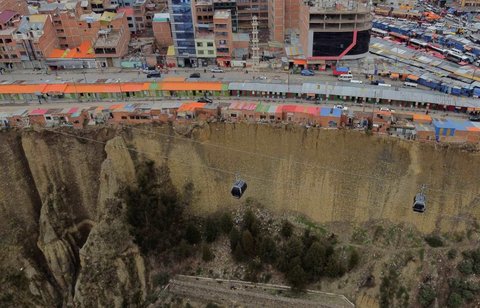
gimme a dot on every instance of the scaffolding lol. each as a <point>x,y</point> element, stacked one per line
<point>255,48</point>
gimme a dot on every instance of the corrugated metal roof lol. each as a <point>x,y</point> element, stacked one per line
<point>330,112</point>
<point>265,87</point>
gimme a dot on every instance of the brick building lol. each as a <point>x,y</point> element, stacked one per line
<point>18,6</point>
<point>162,30</point>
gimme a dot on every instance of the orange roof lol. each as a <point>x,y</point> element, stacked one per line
<point>191,86</point>
<point>174,79</point>
<point>55,88</point>
<point>421,117</point>
<point>133,87</point>
<point>84,51</point>
<point>473,129</point>
<point>92,88</point>
<point>190,106</point>
<point>21,88</point>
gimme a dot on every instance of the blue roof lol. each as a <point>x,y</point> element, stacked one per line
<point>330,112</point>
<point>449,123</point>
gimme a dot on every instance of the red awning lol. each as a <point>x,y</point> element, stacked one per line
<point>299,61</point>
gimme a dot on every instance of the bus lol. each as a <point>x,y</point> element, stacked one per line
<point>435,48</point>
<point>417,44</point>
<point>456,58</point>
<point>379,32</point>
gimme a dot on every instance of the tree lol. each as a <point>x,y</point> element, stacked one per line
<point>248,243</point>
<point>455,300</point>
<point>211,229</point>
<point>426,295</point>
<point>353,259</point>
<point>238,253</point>
<point>234,238</point>
<point>287,229</point>
<point>207,254</point>
<point>315,260</point>
<point>183,250</point>
<point>226,223</point>
<point>334,268</point>
<point>250,222</point>
<point>297,278</point>
<point>268,250</point>
<point>192,235</point>
<point>292,249</point>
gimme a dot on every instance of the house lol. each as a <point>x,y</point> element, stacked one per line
<point>268,113</point>
<point>209,112</point>
<point>453,130</point>
<point>131,114</point>
<point>238,111</point>
<point>78,119</point>
<point>164,112</point>
<point>189,110</point>
<point>19,119</point>
<point>424,132</point>
<point>422,118</point>
<point>37,117</point>
<point>330,117</point>
<point>381,121</point>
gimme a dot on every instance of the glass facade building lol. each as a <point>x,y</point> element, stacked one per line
<point>183,31</point>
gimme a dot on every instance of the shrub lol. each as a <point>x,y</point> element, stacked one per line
<point>192,234</point>
<point>315,260</point>
<point>211,229</point>
<point>455,300</point>
<point>287,229</point>
<point>426,295</point>
<point>226,223</point>
<point>434,241</point>
<point>207,254</point>
<point>452,254</point>
<point>234,238</point>
<point>268,250</point>
<point>353,259</point>
<point>250,222</point>
<point>465,267</point>
<point>248,243</point>
<point>161,279</point>
<point>238,253</point>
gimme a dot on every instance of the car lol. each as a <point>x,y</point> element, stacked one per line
<point>386,109</point>
<point>205,100</point>
<point>340,107</point>
<point>195,75</point>
<point>306,72</point>
<point>475,118</point>
<point>216,70</point>
<point>154,75</point>
<point>356,81</point>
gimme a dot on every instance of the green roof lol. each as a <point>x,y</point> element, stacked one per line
<point>262,107</point>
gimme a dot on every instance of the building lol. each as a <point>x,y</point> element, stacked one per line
<point>222,25</point>
<point>111,43</point>
<point>18,6</point>
<point>330,31</point>
<point>162,30</point>
<point>229,5</point>
<point>35,39</point>
<point>246,9</point>
<point>82,56</point>
<point>183,32</point>
<point>469,3</point>
<point>283,19</point>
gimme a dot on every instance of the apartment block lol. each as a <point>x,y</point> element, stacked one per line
<point>203,16</point>
<point>222,22</point>
<point>231,6</point>
<point>276,20</point>
<point>246,9</point>
<point>205,48</point>
<point>111,43</point>
<point>469,3</point>
<point>9,51</point>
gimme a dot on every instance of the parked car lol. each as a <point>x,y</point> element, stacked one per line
<point>154,75</point>
<point>386,109</point>
<point>356,81</point>
<point>474,118</point>
<point>340,107</point>
<point>216,70</point>
<point>149,71</point>
<point>205,100</point>
<point>195,75</point>
<point>376,82</point>
<point>307,73</point>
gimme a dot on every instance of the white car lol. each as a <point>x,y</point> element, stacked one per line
<point>340,107</point>
<point>386,109</point>
<point>356,81</point>
<point>216,70</point>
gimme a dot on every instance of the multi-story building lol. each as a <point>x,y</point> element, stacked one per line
<point>222,21</point>
<point>283,18</point>
<point>100,6</point>
<point>18,6</point>
<point>469,3</point>
<point>183,32</point>
<point>230,5</point>
<point>162,30</point>
<point>330,31</point>
<point>203,16</point>
<point>9,51</point>
<point>35,38</point>
<point>246,9</point>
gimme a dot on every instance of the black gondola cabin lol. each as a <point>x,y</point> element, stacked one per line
<point>239,188</point>
<point>419,203</point>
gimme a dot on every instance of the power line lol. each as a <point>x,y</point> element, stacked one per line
<point>262,179</point>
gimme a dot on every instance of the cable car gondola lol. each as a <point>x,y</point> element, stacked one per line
<point>239,187</point>
<point>420,202</point>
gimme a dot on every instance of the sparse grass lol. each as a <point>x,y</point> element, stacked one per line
<point>360,236</point>
<point>311,225</point>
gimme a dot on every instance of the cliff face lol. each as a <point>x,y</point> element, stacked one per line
<point>64,239</point>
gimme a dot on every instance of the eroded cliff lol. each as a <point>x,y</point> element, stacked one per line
<point>64,241</point>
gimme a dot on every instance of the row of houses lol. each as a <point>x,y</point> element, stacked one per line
<point>407,125</point>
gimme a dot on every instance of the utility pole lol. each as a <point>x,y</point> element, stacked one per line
<point>255,49</point>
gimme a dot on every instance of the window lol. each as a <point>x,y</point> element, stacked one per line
<point>8,41</point>
<point>210,52</point>
<point>89,26</point>
<point>209,44</point>
<point>199,44</point>
<point>124,117</point>
<point>48,118</point>
<point>200,52</point>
